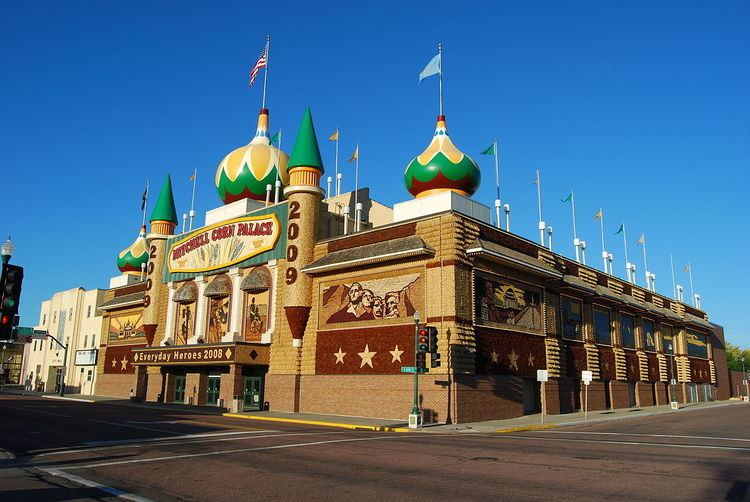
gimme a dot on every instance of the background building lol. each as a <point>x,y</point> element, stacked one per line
<point>72,317</point>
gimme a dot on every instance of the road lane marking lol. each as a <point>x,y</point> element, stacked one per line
<point>93,484</point>
<point>118,424</point>
<point>171,442</point>
<point>154,422</point>
<point>647,435</point>
<point>628,443</point>
<point>227,452</point>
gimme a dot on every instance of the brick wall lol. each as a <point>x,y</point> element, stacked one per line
<point>114,385</point>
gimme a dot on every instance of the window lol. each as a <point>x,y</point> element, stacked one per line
<point>54,316</point>
<point>627,331</point>
<point>572,318</point>
<point>697,344</point>
<point>88,311</point>
<point>85,340</point>
<point>89,375</point>
<point>70,315</point>
<point>649,342</point>
<point>93,340</point>
<point>667,339</point>
<point>34,345</point>
<point>602,328</point>
<point>44,319</point>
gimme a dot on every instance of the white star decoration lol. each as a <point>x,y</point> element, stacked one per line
<point>396,354</point>
<point>124,363</point>
<point>513,360</point>
<point>366,357</point>
<point>493,355</point>
<point>339,356</point>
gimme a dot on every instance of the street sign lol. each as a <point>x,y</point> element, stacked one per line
<point>24,331</point>
<point>542,375</point>
<point>587,376</point>
<point>40,334</point>
<point>413,369</point>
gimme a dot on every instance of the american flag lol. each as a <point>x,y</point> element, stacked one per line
<point>260,64</point>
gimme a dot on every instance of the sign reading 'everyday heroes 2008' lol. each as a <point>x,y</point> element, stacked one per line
<point>223,244</point>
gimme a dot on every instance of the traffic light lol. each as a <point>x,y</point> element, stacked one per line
<point>10,295</point>
<point>423,339</point>
<point>432,346</point>
<point>421,360</point>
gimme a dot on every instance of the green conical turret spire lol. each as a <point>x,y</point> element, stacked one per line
<point>306,152</point>
<point>164,209</point>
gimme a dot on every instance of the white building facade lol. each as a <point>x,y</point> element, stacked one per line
<point>72,318</point>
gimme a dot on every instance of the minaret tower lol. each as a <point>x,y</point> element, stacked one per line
<point>163,222</point>
<point>304,195</point>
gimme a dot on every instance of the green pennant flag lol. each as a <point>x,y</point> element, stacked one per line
<point>622,229</point>
<point>275,138</point>
<point>490,150</point>
<point>568,198</point>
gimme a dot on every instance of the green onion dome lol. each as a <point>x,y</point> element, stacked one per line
<point>246,171</point>
<point>131,258</point>
<point>442,167</point>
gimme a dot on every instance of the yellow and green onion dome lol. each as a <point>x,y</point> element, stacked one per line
<point>131,258</point>
<point>442,167</point>
<point>246,171</point>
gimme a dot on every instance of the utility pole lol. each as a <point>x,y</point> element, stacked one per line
<point>415,404</point>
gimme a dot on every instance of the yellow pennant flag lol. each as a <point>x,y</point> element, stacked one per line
<point>334,136</point>
<point>598,215</point>
<point>642,240</point>
<point>355,155</point>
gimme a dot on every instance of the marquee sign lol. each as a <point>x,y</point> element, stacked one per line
<point>224,244</point>
<point>216,354</point>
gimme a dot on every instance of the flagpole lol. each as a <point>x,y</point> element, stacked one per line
<point>440,62</point>
<point>690,274</point>
<point>631,277</point>
<point>356,187</point>
<point>604,247</point>
<point>192,199</point>
<point>576,242</point>
<point>674,285</point>
<point>645,265</point>
<point>265,73</point>
<point>497,186</point>
<point>539,202</point>
<point>145,203</point>
<point>338,181</point>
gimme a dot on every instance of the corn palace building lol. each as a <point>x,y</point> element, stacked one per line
<point>296,306</point>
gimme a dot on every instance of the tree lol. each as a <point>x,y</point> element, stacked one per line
<point>735,355</point>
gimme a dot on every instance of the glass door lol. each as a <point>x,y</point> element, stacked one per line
<point>179,389</point>
<point>252,393</point>
<point>212,392</point>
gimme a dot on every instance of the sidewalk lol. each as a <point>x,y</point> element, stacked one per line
<point>524,423</point>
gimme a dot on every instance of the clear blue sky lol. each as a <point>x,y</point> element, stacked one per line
<point>642,107</point>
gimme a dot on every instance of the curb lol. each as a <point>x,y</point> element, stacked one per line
<point>69,399</point>
<point>378,428</point>
<point>526,428</point>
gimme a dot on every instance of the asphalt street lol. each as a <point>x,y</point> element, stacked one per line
<point>63,450</point>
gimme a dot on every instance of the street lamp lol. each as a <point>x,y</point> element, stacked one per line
<point>6,250</point>
<point>671,375</point>
<point>414,420</point>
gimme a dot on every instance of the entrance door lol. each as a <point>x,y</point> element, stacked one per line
<point>212,392</point>
<point>252,395</point>
<point>607,396</point>
<point>179,389</point>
